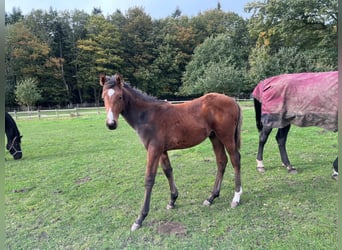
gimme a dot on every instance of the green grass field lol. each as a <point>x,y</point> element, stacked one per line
<point>81,186</point>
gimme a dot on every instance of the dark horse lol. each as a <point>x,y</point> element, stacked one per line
<point>162,126</point>
<point>13,137</point>
<point>303,99</point>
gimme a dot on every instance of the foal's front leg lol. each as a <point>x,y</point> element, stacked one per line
<point>166,165</point>
<point>151,170</point>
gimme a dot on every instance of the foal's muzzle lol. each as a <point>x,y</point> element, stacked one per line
<point>112,125</point>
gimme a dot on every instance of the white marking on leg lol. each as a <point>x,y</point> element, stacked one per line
<point>135,226</point>
<point>206,203</point>
<point>110,116</point>
<point>260,164</point>
<point>335,173</point>
<point>237,196</point>
<point>111,92</point>
<point>168,207</point>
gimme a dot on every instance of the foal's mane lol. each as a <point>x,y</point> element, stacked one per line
<point>142,95</point>
<point>111,81</point>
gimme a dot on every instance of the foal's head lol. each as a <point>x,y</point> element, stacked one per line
<point>112,94</point>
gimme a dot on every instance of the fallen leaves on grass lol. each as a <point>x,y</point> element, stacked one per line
<point>172,228</point>
<point>83,180</point>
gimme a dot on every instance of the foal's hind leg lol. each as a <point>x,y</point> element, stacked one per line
<point>166,165</point>
<point>221,161</point>
<point>235,159</point>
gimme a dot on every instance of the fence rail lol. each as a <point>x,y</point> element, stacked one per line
<point>56,113</point>
<point>74,112</point>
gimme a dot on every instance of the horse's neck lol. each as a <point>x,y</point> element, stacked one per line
<point>135,107</point>
<point>11,129</point>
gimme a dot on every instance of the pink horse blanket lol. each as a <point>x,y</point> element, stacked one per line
<point>303,99</point>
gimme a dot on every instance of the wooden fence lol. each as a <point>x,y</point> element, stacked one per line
<point>74,112</point>
<point>56,113</point>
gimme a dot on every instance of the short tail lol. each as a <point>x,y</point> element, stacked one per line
<point>238,128</point>
<point>257,108</point>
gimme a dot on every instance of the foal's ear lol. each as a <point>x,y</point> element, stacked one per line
<point>118,79</point>
<point>102,79</point>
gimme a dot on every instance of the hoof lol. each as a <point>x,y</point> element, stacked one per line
<point>168,207</point>
<point>206,203</point>
<point>261,169</point>
<point>292,171</point>
<point>335,177</point>
<point>135,226</point>
<point>234,204</point>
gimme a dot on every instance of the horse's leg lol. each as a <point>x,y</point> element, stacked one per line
<point>151,170</point>
<point>263,136</point>
<point>235,159</point>
<point>335,169</point>
<point>281,138</point>
<point>221,161</point>
<point>166,165</point>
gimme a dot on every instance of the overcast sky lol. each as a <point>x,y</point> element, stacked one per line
<point>155,8</point>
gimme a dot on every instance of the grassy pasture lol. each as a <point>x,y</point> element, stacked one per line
<point>81,186</point>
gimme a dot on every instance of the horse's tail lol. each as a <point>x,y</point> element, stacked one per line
<point>238,128</point>
<point>257,108</point>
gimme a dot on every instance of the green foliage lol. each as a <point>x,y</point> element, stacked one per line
<point>214,22</point>
<point>137,42</point>
<point>28,56</point>
<point>98,52</point>
<point>27,92</point>
<point>217,65</point>
<point>305,24</point>
<point>80,186</point>
<point>66,50</point>
<point>292,36</point>
<point>263,64</point>
<point>26,53</point>
<point>15,16</point>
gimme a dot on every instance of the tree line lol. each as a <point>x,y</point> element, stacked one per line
<point>58,55</point>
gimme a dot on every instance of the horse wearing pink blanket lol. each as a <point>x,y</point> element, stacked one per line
<point>303,99</point>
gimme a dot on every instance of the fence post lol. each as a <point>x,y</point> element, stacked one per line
<point>38,113</point>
